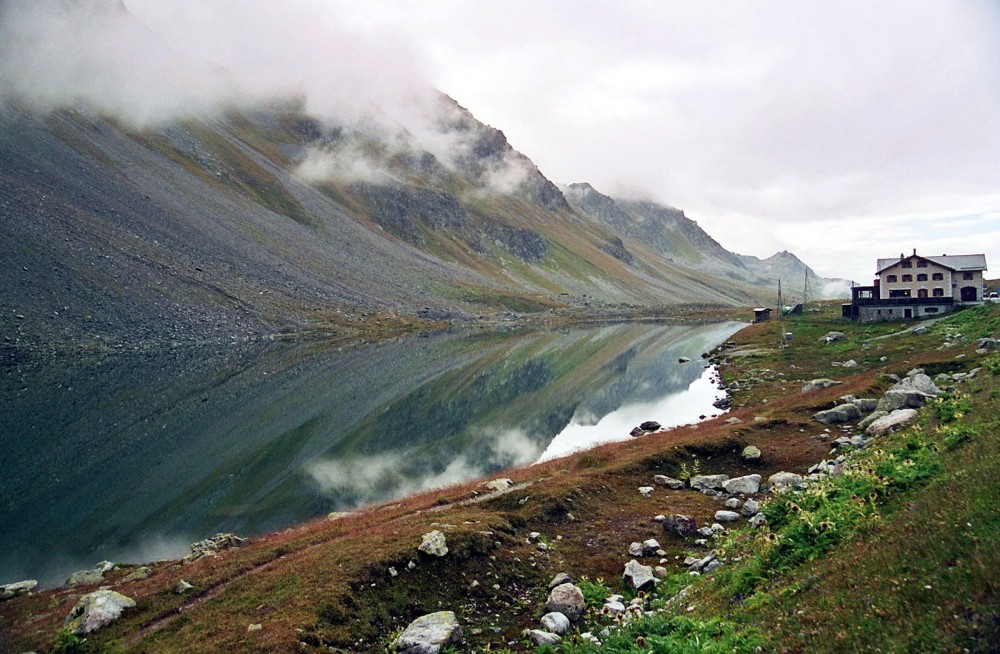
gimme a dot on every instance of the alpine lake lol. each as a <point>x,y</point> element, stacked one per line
<point>132,457</point>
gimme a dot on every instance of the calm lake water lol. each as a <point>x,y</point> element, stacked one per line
<point>132,458</point>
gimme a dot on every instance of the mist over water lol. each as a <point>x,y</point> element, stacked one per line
<point>133,457</point>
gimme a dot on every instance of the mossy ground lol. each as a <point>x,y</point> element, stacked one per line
<point>920,576</point>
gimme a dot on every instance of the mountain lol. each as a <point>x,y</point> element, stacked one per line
<point>268,220</point>
<point>679,239</point>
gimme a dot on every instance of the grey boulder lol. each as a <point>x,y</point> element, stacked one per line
<point>429,634</point>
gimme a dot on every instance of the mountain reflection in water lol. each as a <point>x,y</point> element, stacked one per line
<point>132,457</point>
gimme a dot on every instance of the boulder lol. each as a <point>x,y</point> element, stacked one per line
<point>556,622</point>
<point>750,508</point>
<point>707,482</point>
<point>12,590</point>
<point>140,573</point>
<point>747,485</point>
<point>818,383</point>
<point>917,381</point>
<point>895,399</point>
<point>786,480</point>
<point>566,599</point>
<point>733,504</point>
<point>635,549</point>
<point>829,337</point>
<point>434,543</point>
<point>838,414</point>
<point>650,425</point>
<point>97,610</point>
<point>214,545</point>
<point>758,520</point>
<point>499,484</point>
<point>650,547</point>
<point>986,343</point>
<point>638,576</point>
<point>646,491</point>
<point>82,577</point>
<point>727,516</point>
<point>560,579</point>
<point>751,453</point>
<point>429,634</point>
<point>540,637</point>
<point>891,422</point>
<point>669,482</point>
<point>682,525</point>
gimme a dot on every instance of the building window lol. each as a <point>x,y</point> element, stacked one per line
<point>938,292</point>
<point>966,275</point>
<point>907,264</point>
<point>922,293</point>
<point>900,292</point>
<point>931,310</point>
<point>938,277</point>
<point>922,277</point>
<point>907,278</point>
<point>921,264</point>
<point>890,278</point>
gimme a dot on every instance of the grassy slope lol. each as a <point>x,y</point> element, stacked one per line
<point>926,515</point>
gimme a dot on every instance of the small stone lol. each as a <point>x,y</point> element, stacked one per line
<point>540,637</point>
<point>660,572</point>
<point>649,547</point>
<point>17,588</point>
<point>708,482</point>
<point>682,525</point>
<point>635,549</point>
<point>614,608</point>
<point>669,482</point>
<point>499,484</point>
<point>785,480</point>
<point>751,453</point>
<point>646,491</point>
<point>393,572</point>
<point>717,528</point>
<point>434,544</point>
<point>750,507</point>
<point>747,485</point>
<point>140,573</point>
<point>706,532</point>
<point>556,622</point>
<point>650,425</point>
<point>758,520</point>
<point>638,576</point>
<point>733,504</point>
<point>566,599</point>
<point>182,587</point>
<point>429,634</point>
<point>255,627</point>
<point>96,610</point>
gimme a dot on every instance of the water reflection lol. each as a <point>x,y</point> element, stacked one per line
<point>133,457</point>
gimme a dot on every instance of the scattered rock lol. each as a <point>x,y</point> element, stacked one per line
<point>540,637</point>
<point>182,587</point>
<point>747,485</point>
<point>635,549</point>
<point>660,572</point>
<point>733,504</point>
<point>140,573</point>
<point>650,425</point>
<point>986,343</point>
<point>682,525</point>
<point>683,360</point>
<point>556,622</point>
<point>786,480</point>
<point>891,422</point>
<point>97,610</point>
<point>94,575</point>
<point>727,516</point>
<point>560,579</point>
<point>669,482</point>
<point>566,599</point>
<point>212,546</point>
<point>650,547</point>
<point>17,588</point>
<point>434,543</point>
<point>850,363</point>
<point>429,634</point>
<point>751,453</point>
<point>499,484</point>
<point>638,576</point>
<point>707,482</point>
<point>758,520</point>
<point>838,414</point>
<point>818,383</point>
<point>733,421</point>
<point>750,508</point>
<point>254,627</point>
<point>646,491</point>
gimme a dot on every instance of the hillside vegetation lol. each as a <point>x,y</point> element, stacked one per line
<point>898,552</point>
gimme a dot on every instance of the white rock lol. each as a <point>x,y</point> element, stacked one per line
<point>434,543</point>
<point>429,634</point>
<point>96,610</point>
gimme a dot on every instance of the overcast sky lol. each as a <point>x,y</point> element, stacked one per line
<point>842,131</point>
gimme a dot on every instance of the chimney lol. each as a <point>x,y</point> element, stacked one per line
<point>914,251</point>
